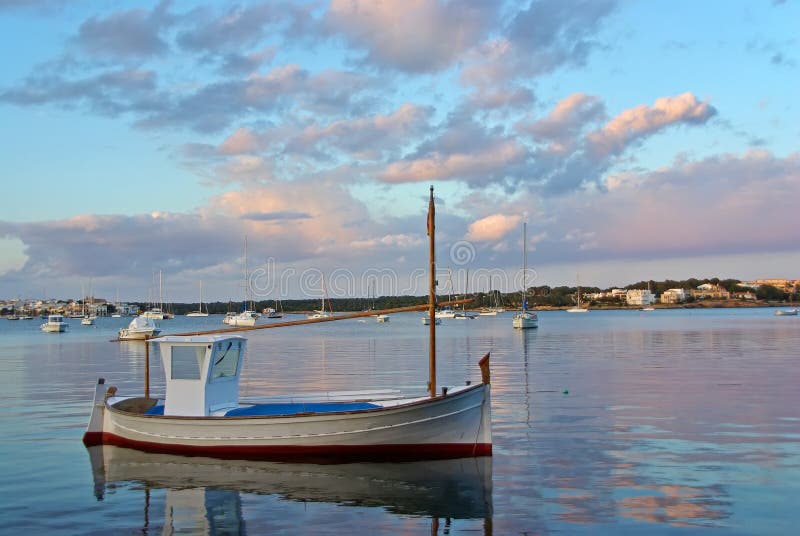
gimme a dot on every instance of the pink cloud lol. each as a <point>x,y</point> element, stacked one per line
<point>243,140</point>
<point>492,228</point>
<point>455,166</point>
<point>642,120</point>
<point>568,117</point>
<point>411,35</point>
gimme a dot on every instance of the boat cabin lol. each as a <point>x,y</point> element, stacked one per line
<point>202,373</point>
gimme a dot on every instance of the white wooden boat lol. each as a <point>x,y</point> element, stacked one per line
<point>201,413</point>
<point>55,324</point>
<point>140,328</point>
<point>525,319</point>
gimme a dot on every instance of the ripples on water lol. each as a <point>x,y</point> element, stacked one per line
<point>618,421</point>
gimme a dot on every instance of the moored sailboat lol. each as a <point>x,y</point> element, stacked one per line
<point>201,413</point>
<point>525,319</point>
<point>199,311</point>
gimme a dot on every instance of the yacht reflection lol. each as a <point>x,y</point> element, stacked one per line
<point>202,492</point>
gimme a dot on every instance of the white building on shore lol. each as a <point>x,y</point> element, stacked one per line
<point>640,297</point>
<point>673,295</point>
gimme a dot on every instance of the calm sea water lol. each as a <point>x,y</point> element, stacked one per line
<point>665,422</point>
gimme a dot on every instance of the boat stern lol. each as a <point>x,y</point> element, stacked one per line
<point>94,430</point>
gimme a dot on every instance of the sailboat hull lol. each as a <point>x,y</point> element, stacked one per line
<point>452,426</point>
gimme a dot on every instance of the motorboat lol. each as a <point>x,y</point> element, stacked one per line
<point>140,328</point>
<point>55,324</point>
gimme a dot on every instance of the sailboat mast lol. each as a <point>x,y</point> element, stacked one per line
<point>524,265</point>
<point>246,282</point>
<point>432,295</point>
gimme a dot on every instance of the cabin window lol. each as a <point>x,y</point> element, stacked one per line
<point>226,361</point>
<point>186,362</point>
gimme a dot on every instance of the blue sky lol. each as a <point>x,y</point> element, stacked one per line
<point>640,140</point>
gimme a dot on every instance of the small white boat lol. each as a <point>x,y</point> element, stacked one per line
<point>525,319</point>
<point>55,324</point>
<point>199,312</point>
<point>445,312</point>
<point>88,320</point>
<point>648,308</point>
<point>273,312</point>
<point>786,312</point>
<point>382,318</point>
<point>140,328</point>
<point>201,413</point>
<point>245,318</point>
<point>578,310</point>
<point>154,313</point>
<point>426,321</point>
<point>579,307</point>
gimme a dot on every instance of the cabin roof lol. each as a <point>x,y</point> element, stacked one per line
<point>196,338</point>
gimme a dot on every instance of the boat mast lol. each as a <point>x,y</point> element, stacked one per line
<point>524,265</point>
<point>246,282</point>
<point>432,295</point>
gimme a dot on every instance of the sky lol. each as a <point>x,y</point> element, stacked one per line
<point>638,140</point>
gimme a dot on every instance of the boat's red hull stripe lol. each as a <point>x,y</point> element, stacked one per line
<point>394,452</point>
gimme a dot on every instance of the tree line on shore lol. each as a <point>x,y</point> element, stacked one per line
<point>543,296</point>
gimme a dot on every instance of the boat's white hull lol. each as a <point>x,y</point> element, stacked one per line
<point>126,334</point>
<point>455,425</point>
<point>382,318</point>
<point>240,320</point>
<point>426,321</point>
<point>55,328</point>
<point>577,310</point>
<point>87,322</point>
<point>525,321</point>
<point>790,312</point>
<point>196,314</point>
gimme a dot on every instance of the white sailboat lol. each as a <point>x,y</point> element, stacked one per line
<point>525,319</point>
<point>579,307</point>
<point>322,313</point>
<point>157,313</point>
<point>274,312</point>
<point>199,311</point>
<point>495,308</point>
<point>248,316</point>
<point>86,319</point>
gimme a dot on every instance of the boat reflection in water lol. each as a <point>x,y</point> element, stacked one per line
<point>204,493</point>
